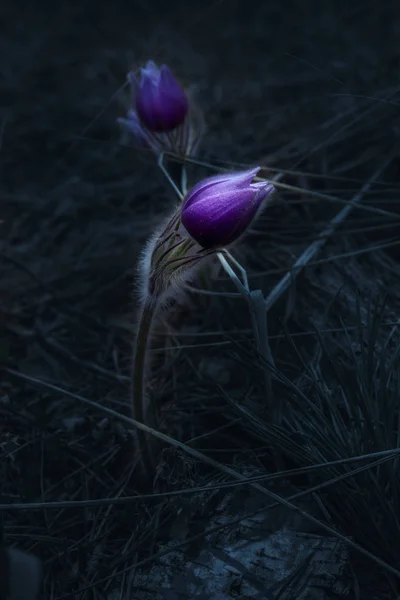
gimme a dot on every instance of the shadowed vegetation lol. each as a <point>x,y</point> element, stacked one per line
<point>311,94</point>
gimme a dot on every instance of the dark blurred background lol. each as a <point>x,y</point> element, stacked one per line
<point>263,71</point>
<point>312,86</point>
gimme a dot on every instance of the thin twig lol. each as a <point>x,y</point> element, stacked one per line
<point>59,504</point>
<point>309,254</point>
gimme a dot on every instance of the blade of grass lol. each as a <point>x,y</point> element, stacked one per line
<point>309,254</point>
<point>227,471</point>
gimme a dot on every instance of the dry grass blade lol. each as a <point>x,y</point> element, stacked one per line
<point>227,471</point>
<point>309,254</point>
<point>216,529</point>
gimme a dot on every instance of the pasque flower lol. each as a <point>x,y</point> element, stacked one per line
<point>161,115</point>
<point>218,210</point>
<point>161,102</point>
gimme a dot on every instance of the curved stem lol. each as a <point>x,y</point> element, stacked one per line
<point>141,412</point>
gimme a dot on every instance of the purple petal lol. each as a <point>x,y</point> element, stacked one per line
<point>132,124</point>
<point>230,180</point>
<point>220,218</point>
<point>150,72</point>
<point>161,102</point>
<point>169,85</point>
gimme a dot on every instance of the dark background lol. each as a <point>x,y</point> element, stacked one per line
<point>306,86</point>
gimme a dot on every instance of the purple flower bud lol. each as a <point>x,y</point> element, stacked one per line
<point>218,210</point>
<point>161,103</point>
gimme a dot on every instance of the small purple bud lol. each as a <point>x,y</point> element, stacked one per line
<point>161,103</point>
<point>218,210</point>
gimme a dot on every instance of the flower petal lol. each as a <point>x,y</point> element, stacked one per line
<point>219,219</point>
<point>161,102</point>
<point>231,180</point>
<point>169,84</point>
<point>151,73</point>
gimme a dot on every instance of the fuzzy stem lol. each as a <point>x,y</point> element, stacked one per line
<point>140,412</point>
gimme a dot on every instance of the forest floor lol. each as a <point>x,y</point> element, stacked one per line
<point>312,95</point>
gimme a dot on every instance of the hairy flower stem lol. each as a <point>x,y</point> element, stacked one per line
<point>143,412</point>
